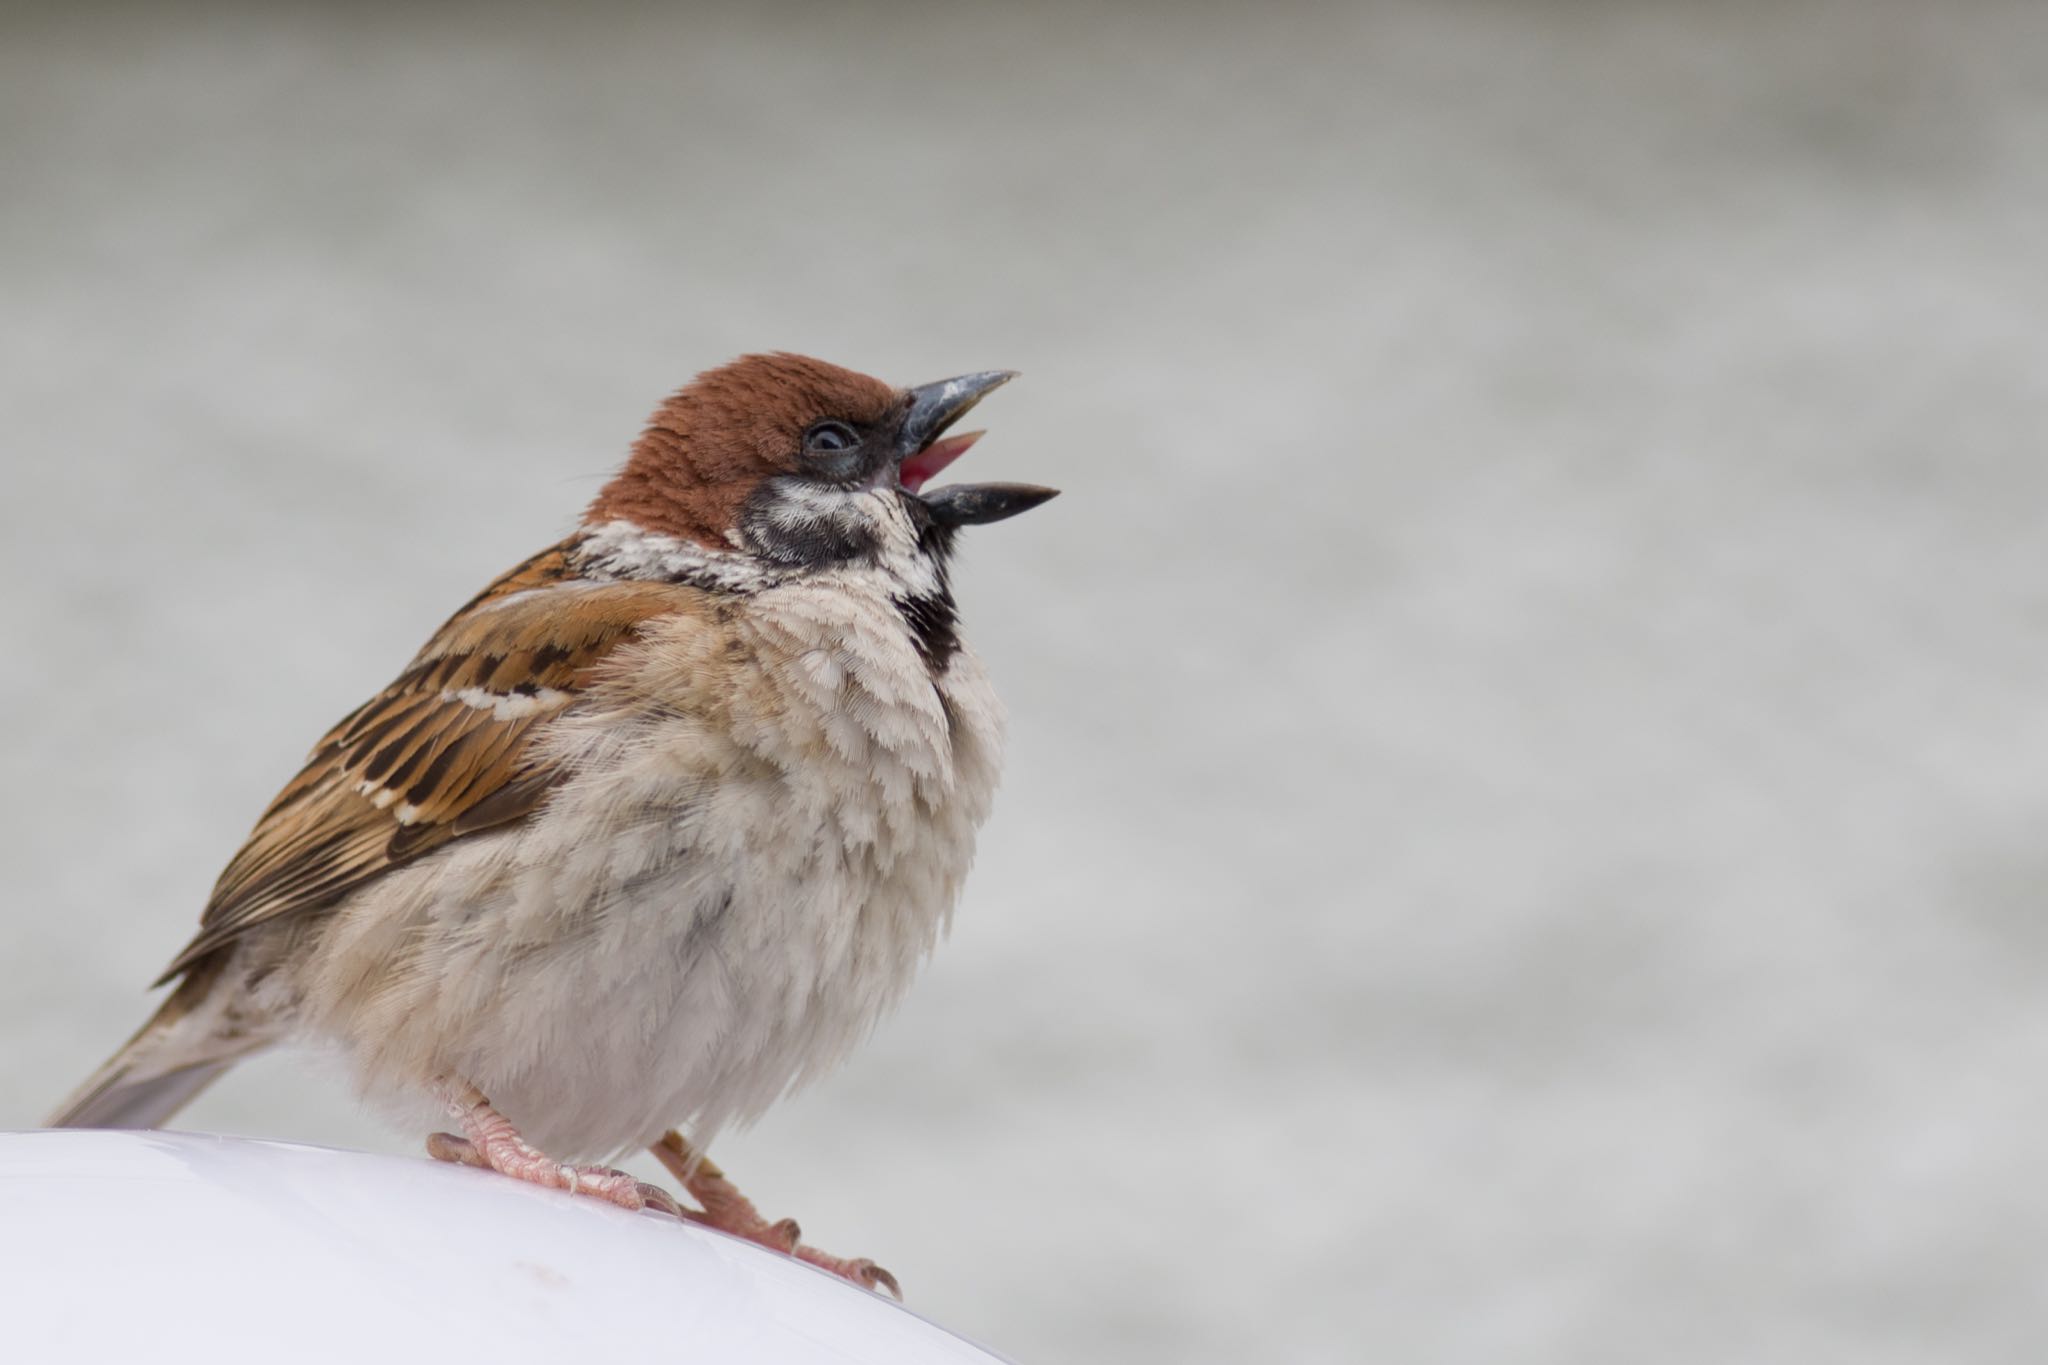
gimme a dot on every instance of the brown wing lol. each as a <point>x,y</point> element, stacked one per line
<point>444,751</point>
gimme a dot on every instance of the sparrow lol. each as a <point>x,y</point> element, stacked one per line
<point>652,831</point>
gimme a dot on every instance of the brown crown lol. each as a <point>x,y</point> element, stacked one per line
<point>711,442</point>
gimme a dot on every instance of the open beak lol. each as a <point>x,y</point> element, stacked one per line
<point>926,450</point>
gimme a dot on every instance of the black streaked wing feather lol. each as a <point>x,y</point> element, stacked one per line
<point>445,751</point>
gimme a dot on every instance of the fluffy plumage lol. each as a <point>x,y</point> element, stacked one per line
<point>654,828</point>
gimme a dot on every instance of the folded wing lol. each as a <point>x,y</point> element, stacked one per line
<point>446,750</point>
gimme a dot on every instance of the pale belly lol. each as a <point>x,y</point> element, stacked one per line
<point>679,939</point>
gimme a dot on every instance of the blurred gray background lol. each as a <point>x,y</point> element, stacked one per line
<point>1524,832</point>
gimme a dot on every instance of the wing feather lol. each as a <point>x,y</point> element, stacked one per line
<point>447,750</point>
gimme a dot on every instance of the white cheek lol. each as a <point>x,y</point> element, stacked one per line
<point>800,506</point>
<point>622,550</point>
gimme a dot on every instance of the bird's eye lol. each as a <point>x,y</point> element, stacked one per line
<point>828,438</point>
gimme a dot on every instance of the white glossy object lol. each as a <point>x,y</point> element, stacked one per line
<point>175,1247</point>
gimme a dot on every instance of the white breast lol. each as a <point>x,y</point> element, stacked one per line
<point>719,907</point>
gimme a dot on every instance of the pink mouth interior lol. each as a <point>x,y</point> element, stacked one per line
<point>925,466</point>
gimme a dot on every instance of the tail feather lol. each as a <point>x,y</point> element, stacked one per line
<point>117,1098</point>
<point>183,1048</point>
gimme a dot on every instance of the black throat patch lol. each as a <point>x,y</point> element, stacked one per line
<point>934,625</point>
<point>931,618</point>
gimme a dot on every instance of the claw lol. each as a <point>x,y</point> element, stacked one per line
<point>861,1271</point>
<point>494,1144</point>
<point>459,1151</point>
<point>660,1200</point>
<point>726,1209</point>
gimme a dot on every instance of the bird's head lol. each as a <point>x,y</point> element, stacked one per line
<point>804,464</point>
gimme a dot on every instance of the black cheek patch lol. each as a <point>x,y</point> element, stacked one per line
<point>802,539</point>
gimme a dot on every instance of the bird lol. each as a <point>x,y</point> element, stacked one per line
<point>652,832</point>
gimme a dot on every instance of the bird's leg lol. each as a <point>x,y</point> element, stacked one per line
<point>726,1209</point>
<point>494,1144</point>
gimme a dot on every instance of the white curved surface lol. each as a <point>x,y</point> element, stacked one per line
<point>178,1247</point>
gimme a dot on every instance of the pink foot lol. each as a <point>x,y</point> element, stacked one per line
<point>859,1269</point>
<point>494,1144</point>
<point>726,1209</point>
